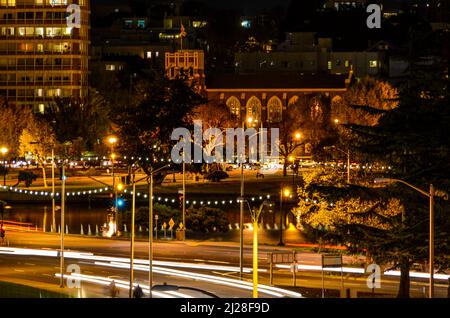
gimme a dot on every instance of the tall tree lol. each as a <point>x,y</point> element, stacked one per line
<point>412,138</point>
<point>214,115</point>
<point>15,119</point>
<point>364,102</point>
<point>145,124</point>
<point>37,139</point>
<point>79,125</point>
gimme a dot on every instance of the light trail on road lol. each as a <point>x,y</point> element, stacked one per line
<point>361,271</point>
<point>142,265</point>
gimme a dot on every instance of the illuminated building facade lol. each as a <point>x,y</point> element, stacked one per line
<point>190,63</point>
<point>41,58</point>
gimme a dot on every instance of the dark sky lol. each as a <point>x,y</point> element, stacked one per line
<point>248,5</point>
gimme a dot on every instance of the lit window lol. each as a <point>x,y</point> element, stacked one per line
<point>39,32</point>
<point>246,24</point>
<point>330,65</point>
<point>347,63</point>
<point>373,64</point>
<point>110,67</point>
<point>40,92</point>
<point>41,108</point>
<point>141,24</point>
<point>149,54</point>
<point>156,53</point>
<point>128,24</point>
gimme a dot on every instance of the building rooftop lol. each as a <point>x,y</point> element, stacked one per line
<point>274,80</point>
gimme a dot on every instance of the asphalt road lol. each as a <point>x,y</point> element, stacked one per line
<point>212,253</point>
<point>40,272</point>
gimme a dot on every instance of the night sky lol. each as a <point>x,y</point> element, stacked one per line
<point>248,6</point>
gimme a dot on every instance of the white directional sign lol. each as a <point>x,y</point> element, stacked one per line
<point>331,260</point>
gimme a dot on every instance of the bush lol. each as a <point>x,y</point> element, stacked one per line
<point>164,212</point>
<point>203,219</point>
<point>206,219</point>
<point>216,176</point>
<point>26,176</point>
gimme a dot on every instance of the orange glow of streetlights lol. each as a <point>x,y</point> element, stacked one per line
<point>4,150</point>
<point>297,136</point>
<point>120,187</point>
<point>250,120</point>
<point>286,192</point>
<point>336,121</point>
<point>112,140</point>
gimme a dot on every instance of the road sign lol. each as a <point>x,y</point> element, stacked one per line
<point>156,216</point>
<point>280,257</point>
<point>164,225</point>
<point>331,260</point>
<point>283,257</point>
<point>171,224</point>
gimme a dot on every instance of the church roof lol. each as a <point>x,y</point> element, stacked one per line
<point>275,81</point>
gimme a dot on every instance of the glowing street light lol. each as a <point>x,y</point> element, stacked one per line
<point>284,193</point>
<point>431,194</point>
<point>112,140</point>
<point>4,151</point>
<point>297,136</point>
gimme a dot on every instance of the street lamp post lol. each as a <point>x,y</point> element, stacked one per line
<point>283,193</point>
<point>53,192</point>
<point>63,203</point>
<point>255,213</point>
<point>431,195</point>
<point>241,210</point>
<point>4,151</point>
<point>133,217</point>
<point>150,230</point>
<point>112,140</point>
<point>150,227</point>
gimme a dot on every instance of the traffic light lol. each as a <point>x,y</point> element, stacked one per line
<point>120,202</point>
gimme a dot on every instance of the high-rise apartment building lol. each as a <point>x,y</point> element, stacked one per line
<point>43,57</point>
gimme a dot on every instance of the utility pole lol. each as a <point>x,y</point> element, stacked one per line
<point>133,216</point>
<point>184,195</point>
<point>53,192</point>
<point>63,203</point>
<point>432,194</point>
<point>241,216</point>
<point>150,235</point>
